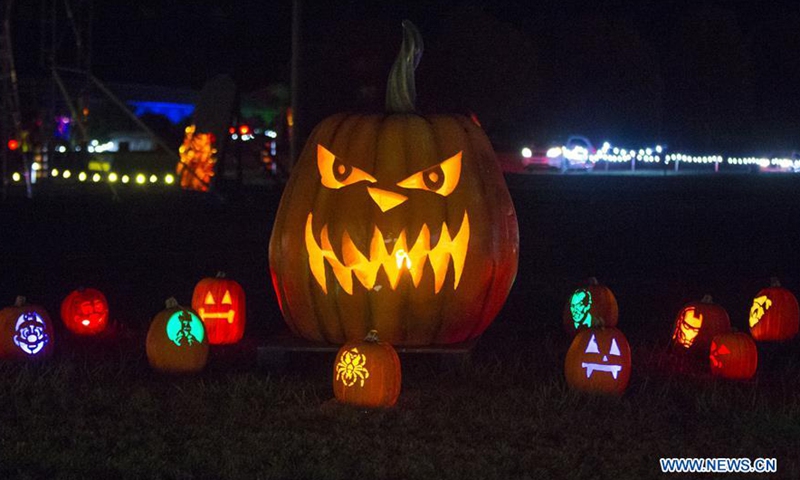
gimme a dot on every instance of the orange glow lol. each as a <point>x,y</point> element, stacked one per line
<point>13,144</point>
<point>760,306</point>
<point>337,174</point>
<point>688,327</point>
<point>351,368</point>
<point>244,129</point>
<point>198,157</point>
<point>228,315</point>
<point>429,179</point>
<point>385,199</point>
<point>394,263</point>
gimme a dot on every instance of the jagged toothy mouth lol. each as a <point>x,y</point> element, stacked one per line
<point>599,367</point>
<point>401,258</point>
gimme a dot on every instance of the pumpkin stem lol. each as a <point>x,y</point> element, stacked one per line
<point>592,281</point>
<point>172,302</point>
<point>220,274</point>
<point>707,299</point>
<point>401,92</point>
<point>372,337</point>
<point>774,282</point>
<point>600,322</point>
<point>19,301</point>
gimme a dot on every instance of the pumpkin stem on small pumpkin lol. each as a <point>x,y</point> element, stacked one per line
<point>401,91</point>
<point>372,337</point>
<point>19,301</point>
<point>220,274</point>
<point>707,299</point>
<point>599,322</point>
<point>592,281</point>
<point>774,282</point>
<point>172,302</point>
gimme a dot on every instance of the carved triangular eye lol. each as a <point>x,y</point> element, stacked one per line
<point>210,299</point>
<point>337,174</point>
<point>723,350</point>
<point>226,300</point>
<point>614,348</point>
<point>442,178</point>
<point>592,347</point>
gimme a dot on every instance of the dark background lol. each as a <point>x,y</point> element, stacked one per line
<point>712,76</point>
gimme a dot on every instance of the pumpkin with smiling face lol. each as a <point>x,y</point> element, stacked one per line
<point>398,222</point>
<point>220,302</point>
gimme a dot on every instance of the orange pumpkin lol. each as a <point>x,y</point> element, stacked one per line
<point>26,332</point>
<point>176,341</point>
<point>85,311</point>
<point>396,222</point>
<point>587,304</point>
<point>598,361</point>
<point>733,355</point>
<point>367,373</point>
<point>774,315</point>
<point>221,305</point>
<point>697,323</point>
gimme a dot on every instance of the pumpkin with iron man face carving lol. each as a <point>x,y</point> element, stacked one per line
<point>399,222</point>
<point>220,303</point>
<point>696,325</point>
<point>85,311</point>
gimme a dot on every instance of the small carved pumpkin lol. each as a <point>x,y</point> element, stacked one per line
<point>396,222</point>
<point>220,303</point>
<point>697,323</point>
<point>85,311</point>
<point>26,332</point>
<point>733,355</point>
<point>367,373</point>
<point>589,303</point>
<point>176,341</point>
<point>598,361</point>
<point>774,315</point>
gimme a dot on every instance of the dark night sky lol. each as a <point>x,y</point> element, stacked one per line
<point>699,73</point>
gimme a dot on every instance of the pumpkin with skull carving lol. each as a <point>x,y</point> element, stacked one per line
<point>599,360</point>
<point>398,222</point>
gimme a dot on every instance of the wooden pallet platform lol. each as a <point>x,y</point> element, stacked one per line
<point>275,353</point>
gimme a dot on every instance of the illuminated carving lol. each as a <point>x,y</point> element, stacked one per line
<point>716,351</point>
<point>30,335</point>
<point>688,327</point>
<point>85,311</point>
<point>351,368</point>
<point>184,328</point>
<point>760,306</point>
<point>197,160</point>
<point>592,367</point>
<point>579,305</point>
<point>208,310</point>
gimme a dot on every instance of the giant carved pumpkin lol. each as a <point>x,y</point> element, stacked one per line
<point>176,341</point>
<point>396,222</point>
<point>26,332</point>
<point>733,355</point>
<point>367,373</point>
<point>220,303</point>
<point>774,315</point>
<point>598,361</point>
<point>85,311</point>
<point>697,323</point>
<point>588,303</point>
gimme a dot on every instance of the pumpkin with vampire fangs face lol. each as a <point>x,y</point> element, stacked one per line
<point>599,361</point>
<point>399,222</point>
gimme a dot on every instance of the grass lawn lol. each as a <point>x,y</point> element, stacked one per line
<point>96,410</point>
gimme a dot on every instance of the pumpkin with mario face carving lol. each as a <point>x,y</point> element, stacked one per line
<point>396,222</point>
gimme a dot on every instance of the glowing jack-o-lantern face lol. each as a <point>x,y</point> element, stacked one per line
<point>176,341</point>
<point>775,314</point>
<point>398,222</point>
<point>367,373</point>
<point>733,355</point>
<point>599,360</point>
<point>697,323</point>
<point>220,302</point>
<point>26,332</point>
<point>85,311</point>
<point>31,333</point>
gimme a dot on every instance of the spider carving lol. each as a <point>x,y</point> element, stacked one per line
<point>351,368</point>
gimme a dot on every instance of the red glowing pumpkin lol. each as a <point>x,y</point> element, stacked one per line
<point>85,311</point>
<point>733,355</point>
<point>220,303</point>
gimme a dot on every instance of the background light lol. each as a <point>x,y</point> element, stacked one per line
<point>82,176</point>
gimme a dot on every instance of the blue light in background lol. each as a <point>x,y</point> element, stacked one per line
<point>175,112</point>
